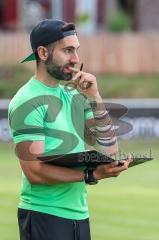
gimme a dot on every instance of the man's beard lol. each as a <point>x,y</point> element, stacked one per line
<point>56,71</point>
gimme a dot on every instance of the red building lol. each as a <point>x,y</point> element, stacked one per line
<point>11,10</point>
<point>9,14</point>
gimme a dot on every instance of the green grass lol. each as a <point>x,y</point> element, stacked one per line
<point>10,185</point>
<point>113,86</point>
<point>126,208</point>
<point>12,77</point>
<point>123,208</point>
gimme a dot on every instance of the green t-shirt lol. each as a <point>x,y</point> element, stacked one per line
<point>55,115</point>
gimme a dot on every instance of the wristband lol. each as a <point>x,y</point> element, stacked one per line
<point>88,177</point>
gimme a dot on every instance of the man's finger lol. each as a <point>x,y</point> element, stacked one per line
<point>77,75</point>
<point>75,70</point>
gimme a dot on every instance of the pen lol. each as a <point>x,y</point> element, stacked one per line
<point>81,67</point>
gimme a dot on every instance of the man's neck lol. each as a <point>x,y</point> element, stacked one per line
<point>45,78</point>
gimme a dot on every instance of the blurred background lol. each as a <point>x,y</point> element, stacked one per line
<point>119,44</point>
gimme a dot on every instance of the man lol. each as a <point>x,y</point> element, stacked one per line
<point>47,117</point>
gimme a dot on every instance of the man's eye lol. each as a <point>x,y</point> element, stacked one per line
<point>68,50</point>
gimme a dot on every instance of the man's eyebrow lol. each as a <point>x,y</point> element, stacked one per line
<point>70,46</point>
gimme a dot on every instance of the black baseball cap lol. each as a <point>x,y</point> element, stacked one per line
<point>48,31</point>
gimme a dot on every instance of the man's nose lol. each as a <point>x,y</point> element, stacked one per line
<point>74,58</point>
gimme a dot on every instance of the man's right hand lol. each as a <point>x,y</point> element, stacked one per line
<point>111,170</point>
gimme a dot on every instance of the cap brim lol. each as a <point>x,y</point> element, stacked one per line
<point>31,57</point>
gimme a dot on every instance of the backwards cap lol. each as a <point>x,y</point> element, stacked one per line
<point>48,31</point>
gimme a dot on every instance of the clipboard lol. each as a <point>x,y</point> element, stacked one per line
<point>89,159</point>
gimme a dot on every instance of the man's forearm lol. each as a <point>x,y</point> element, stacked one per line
<point>56,174</point>
<point>40,173</point>
<point>37,171</point>
<point>106,141</point>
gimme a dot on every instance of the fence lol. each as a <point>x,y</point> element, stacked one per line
<point>126,53</point>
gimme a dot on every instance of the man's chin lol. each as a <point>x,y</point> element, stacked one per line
<point>60,76</point>
<point>67,77</point>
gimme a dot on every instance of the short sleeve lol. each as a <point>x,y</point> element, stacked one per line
<point>25,125</point>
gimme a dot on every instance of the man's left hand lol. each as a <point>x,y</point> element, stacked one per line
<point>86,82</point>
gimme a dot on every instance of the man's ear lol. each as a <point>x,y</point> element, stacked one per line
<point>43,53</point>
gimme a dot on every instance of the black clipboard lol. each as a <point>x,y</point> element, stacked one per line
<point>90,159</point>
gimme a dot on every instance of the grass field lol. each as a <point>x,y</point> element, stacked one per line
<point>123,208</point>
<point>110,86</point>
